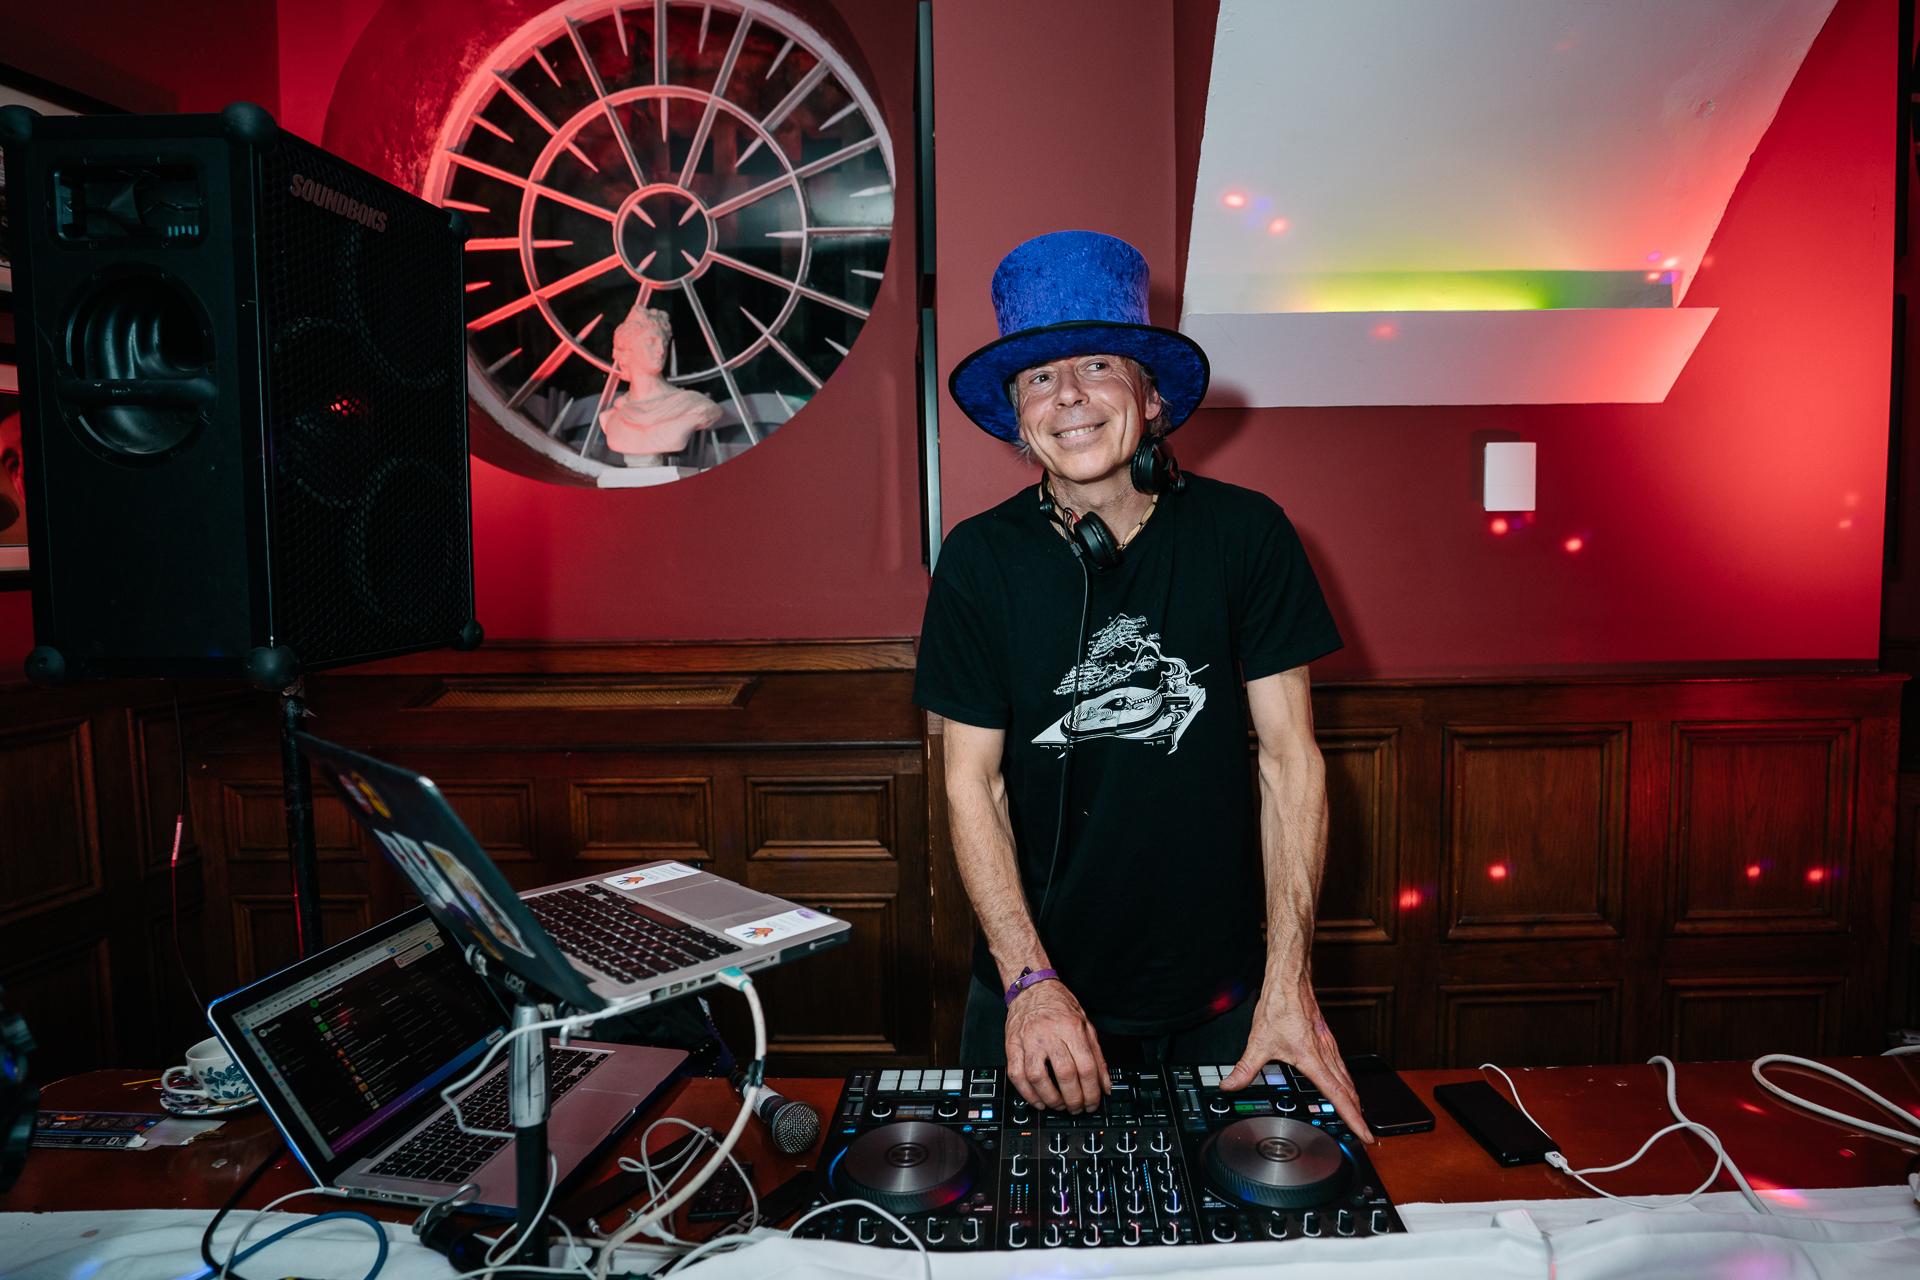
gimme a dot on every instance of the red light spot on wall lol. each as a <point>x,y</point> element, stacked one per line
<point>1409,899</point>
<point>1498,524</point>
<point>1574,544</point>
<point>1384,330</point>
<point>1816,874</point>
<point>1498,871</point>
<point>1277,226</point>
<point>1753,871</point>
<point>1234,200</point>
<point>1748,1106</point>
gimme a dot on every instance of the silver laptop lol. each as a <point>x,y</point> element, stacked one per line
<point>653,931</point>
<point>350,1049</point>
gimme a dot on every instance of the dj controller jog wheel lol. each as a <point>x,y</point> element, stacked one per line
<point>1278,1163</point>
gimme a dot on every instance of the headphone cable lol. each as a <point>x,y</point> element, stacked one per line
<point>1072,726</point>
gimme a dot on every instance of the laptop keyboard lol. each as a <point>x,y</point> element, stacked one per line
<point>620,937</point>
<point>441,1153</point>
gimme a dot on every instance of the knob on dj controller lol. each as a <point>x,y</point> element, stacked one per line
<point>908,1167</point>
<point>1282,1164</point>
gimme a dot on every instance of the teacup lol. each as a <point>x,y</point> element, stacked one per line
<point>213,1070</point>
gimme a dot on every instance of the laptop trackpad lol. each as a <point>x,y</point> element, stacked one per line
<point>718,898</point>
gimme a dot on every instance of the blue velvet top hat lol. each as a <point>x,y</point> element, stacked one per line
<point>1074,293</point>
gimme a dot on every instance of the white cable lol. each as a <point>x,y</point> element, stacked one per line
<point>233,1250</point>
<point>539,1218</point>
<point>926,1258</point>
<point>657,1184</point>
<point>1712,1139</point>
<point>1908,1137</point>
<point>567,1027</point>
<point>740,982</point>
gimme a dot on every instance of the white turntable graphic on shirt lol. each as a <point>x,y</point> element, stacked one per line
<point>1129,688</point>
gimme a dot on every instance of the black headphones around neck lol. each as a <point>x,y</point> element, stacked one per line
<point>1152,470</point>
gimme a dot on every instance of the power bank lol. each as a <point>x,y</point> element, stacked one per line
<point>1496,1124</point>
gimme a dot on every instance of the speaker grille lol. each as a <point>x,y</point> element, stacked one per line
<point>366,405</point>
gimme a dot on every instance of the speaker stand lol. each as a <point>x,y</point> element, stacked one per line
<point>298,787</point>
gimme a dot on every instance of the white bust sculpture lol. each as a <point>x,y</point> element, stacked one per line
<point>652,417</point>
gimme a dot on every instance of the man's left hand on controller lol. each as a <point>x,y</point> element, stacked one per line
<point>1287,1027</point>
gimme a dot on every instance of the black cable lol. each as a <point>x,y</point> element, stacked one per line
<point>206,1240</point>
<point>179,835</point>
<point>1066,761</point>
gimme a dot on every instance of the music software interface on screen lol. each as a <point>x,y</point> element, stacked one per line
<point>364,1038</point>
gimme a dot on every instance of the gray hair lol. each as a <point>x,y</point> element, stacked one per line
<point>1143,373</point>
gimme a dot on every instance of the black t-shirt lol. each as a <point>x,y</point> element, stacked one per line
<point>1154,916</point>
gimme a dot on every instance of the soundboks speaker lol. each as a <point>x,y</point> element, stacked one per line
<point>242,375</point>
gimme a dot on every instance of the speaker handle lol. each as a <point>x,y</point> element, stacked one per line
<point>16,123</point>
<point>250,124</point>
<point>170,393</point>
<point>271,670</point>
<point>47,667</point>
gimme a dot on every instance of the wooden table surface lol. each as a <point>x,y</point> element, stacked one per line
<point>1599,1115</point>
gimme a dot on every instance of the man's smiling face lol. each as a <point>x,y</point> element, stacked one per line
<point>1083,416</point>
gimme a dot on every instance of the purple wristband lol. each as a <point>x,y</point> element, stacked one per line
<point>1028,977</point>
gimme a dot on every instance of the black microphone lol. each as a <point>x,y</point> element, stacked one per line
<point>795,1125</point>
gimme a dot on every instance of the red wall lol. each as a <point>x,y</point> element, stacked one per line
<point>813,533</point>
<point>1739,520</point>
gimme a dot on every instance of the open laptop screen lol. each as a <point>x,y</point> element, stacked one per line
<point>353,1044</point>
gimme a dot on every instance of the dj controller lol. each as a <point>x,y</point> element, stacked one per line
<point>1169,1158</point>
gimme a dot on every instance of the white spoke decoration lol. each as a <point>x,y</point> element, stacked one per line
<point>779,58</point>
<point>830,231</point>
<point>555,358</point>
<point>660,58</point>
<point>748,268</point>
<point>600,92</point>
<point>781,347</point>
<point>609,263</point>
<point>794,98</point>
<point>718,92</point>
<point>527,184</point>
<point>538,116</point>
<point>720,359</point>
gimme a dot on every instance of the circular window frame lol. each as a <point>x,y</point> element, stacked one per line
<point>484,82</point>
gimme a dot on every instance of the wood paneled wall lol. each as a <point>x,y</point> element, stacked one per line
<point>793,768</point>
<point>1543,872</point>
<point>1530,871</point>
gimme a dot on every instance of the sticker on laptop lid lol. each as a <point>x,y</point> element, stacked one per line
<point>773,928</point>
<point>651,875</point>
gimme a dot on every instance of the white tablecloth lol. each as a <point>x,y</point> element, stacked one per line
<point>1855,1234</point>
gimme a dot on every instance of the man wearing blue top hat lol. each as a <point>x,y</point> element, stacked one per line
<point>1086,641</point>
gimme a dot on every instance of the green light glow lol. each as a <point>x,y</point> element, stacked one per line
<point>1430,291</point>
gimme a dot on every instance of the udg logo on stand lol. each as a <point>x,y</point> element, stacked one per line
<point>305,188</point>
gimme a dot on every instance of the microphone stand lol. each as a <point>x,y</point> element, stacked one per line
<point>297,785</point>
<point>528,1109</point>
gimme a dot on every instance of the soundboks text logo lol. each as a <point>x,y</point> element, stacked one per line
<point>327,198</point>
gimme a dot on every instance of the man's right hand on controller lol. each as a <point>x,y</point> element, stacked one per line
<point>1047,1028</point>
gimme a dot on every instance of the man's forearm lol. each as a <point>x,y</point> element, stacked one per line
<point>983,846</point>
<point>1293,846</point>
